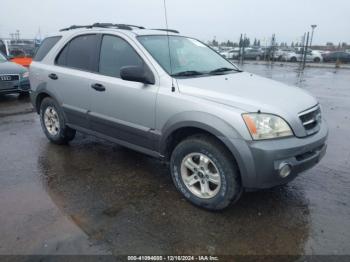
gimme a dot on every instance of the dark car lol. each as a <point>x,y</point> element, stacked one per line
<point>252,53</point>
<point>343,57</point>
<point>13,77</point>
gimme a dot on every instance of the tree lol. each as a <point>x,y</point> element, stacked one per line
<point>246,42</point>
<point>229,43</point>
<point>258,43</point>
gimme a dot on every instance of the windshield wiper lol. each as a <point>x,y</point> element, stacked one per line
<point>223,69</point>
<point>188,73</point>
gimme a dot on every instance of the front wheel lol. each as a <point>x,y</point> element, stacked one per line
<point>53,124</point>
<point>205,173</point>
<point>317,60</point>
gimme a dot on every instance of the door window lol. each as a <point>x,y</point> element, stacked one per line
<point>79,53</point>
<point>115,54</point>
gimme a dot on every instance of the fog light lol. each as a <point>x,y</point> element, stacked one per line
<point>285,170</point>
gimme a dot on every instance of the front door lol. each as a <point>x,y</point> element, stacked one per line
<point>121,109</point>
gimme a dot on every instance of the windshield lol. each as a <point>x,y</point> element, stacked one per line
<point>2,58</point>
<point>187,55</point>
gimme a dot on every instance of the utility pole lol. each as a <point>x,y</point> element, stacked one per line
<point>305,49</point>
<point>272,49</point>
<point>312,34</point>
<point>240,50</point>
<point>243,51</point>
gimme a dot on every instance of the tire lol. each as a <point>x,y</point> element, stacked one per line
<point>219,194</point>
<point>293,59</point>
<point>51,113</point>
<point>317,60</point>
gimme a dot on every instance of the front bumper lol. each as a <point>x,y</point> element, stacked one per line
<point>260,161</point>
<point>18,86</point>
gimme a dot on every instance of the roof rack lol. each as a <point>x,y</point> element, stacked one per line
<point>167,30</point>
<point>111,25</point>
<point>103,25</point>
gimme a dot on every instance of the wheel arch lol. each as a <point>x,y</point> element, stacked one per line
<point>38,95</point>
<point>190,123</point>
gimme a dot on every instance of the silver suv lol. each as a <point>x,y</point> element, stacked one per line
<point>222,130</point>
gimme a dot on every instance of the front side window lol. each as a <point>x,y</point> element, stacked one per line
<point>79,53</point>
<point>115,54</point>
<point>187,55</point>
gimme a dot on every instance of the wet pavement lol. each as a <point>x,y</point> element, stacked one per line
<point>14,104</point>
<point>94,197</point>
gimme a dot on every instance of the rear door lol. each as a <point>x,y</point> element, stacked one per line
<point>72,76</point>
<point>122,109</point>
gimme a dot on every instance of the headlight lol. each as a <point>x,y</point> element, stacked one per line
<point>25,75</point>
<point>266,126</point>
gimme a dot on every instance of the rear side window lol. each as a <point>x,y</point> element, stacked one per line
<point>45,47</point>
<point>116,53</point>
<point>79,53</point>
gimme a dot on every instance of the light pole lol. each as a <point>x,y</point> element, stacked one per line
<point>312,33</point>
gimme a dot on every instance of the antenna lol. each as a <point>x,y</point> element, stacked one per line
<point>167,33</point>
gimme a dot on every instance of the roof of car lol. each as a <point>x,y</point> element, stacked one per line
<point>126,29</point>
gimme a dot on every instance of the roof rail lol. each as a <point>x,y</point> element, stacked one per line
<point>75,27</point>
<point>168,30</point>
<point>104,25</point>
<point>111,25</point>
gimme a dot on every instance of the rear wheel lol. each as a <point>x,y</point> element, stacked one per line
<point>205,173</point>
<point>53,124</point>
<point>293,59</point>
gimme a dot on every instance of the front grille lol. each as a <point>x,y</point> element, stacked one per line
<point>311,120</point>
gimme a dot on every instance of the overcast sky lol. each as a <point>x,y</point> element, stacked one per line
<point>203,19</point>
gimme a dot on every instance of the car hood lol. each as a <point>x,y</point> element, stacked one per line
<point>11,68</point>
<point>249,92</point>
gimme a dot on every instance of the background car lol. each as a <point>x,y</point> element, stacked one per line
<point>343,57</point>
<point>18,51</point>
<point>253,53</point>
<point>281,52</point>
<point>230,54</point>
<point>14,78</point>
<point>311,56</point>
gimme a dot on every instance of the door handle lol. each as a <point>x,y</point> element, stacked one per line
<point>98,87</point>
<point>53,76</point>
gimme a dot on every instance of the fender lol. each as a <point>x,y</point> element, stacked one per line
<point>213,125</point>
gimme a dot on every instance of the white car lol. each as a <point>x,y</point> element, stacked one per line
<point>230,54</point>
<point>281,52</point>
<point>311,56</point>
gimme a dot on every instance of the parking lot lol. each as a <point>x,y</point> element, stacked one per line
<point>94,197</point>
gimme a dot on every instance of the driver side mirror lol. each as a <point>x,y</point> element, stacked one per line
<point>140,74</point>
